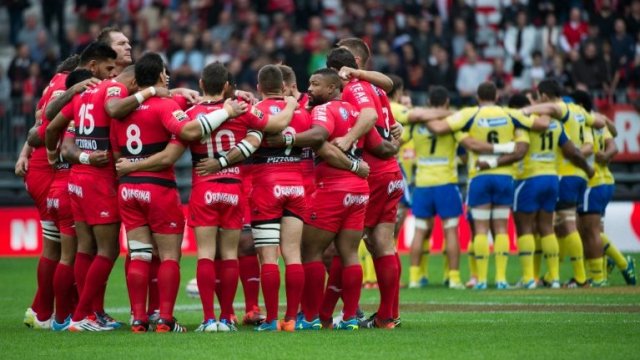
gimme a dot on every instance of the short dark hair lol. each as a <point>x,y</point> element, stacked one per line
<point>583,99</point>
<point>288,76</point>
<point>77,76</point>
<point>550,87</point>
<point>340,57</point>
<point>97,51</point>
<point>518,101</point>
<point>438,95</point>
<point>270,79</point>
<point>214,76</point>
<point>487,91</point>
<point>69,64</point>
<point>105,34</point>
<point>398,83</point>
<point>357,47</point>
<point>148,69</point>
<point>331,75</point>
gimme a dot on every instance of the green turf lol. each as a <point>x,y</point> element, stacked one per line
<point>437,323</point>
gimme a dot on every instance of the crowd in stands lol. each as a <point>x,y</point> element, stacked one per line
<point>592,44</point>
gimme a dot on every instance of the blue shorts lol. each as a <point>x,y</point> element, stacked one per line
<point>596,199</point>
<point>442,200</point>
<point>490,189</point>
<point>536,193</point>
<point>571,193</point>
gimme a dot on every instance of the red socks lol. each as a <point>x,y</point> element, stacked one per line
<point>81,269</point>
<point>96,279</point>
<point>294,283</point>
<point>396,301</point>
<point>43,300</point>
<point>137,283</point>
<point>351,288</point>
<point>206,277</point>
<point>228,285</point>
<point>270,278</point>
<point>250,277</point>
<point>154,296</point>
<point>63,288</point>
<point>313,289</point>
<point>387,274</point>
<point>333,291</point>
<point>168,284</point>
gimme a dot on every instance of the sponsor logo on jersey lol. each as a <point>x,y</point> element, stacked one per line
<point>87,144</point>
<point>113,91</point>
<point>292,191</point>
<point>354,199</point>
<point>180,115</point>
<point>395,186</point>
<point>217,197</point>
<point>55,94</point>
<point>344,113</point>
<point>141,195</point>
<point>53,203</point>
<point>257,113</point>
<point>494,122</point>
<point>274,109</point>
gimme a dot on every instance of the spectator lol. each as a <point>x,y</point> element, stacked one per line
<point>29,33</point>
<point>633,19</point>
<point>443,73</point>
<point>41,48</point>
<point>550,35</point>
<point>467,14</point>
<point>590,71</point>
<point>537,70</point>
<point>31,88</point>
<point>5,92</point>
<point>54,10</point>
<point>604,18</point>
<point>19,70</point>
<point>440,35</point>
<point>188,59</point>
<point>593,35</point>
<point>471,74</point>
<point>298,58</point>
<point>318,58</point>
<point>519,42</point>
<point>460,37</point>
<point>218,54</point>
<point>573,31</point>
<point>421,38</point>
<point>225,27</point>
<point>510,12</point>
<point>49,64</point>
<point>15,8</point>
<point>501,78</point>
<point>622,45</point>
<point>560,74</point>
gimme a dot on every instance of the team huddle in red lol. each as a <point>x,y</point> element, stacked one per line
<point>302,176</point>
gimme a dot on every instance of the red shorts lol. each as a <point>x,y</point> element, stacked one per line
<point>247,185</point>
<point>94,199</point>
<point>386,191</point>
<point>270,201</point>
<point>155,206</point>
<point>215,203</point>
<point>309,184</point>
<point>37,182</point>
<point>334,209</point>
<point>59,206</point>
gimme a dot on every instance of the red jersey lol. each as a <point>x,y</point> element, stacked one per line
<point>63,167</point>
<point>303,100</point>
<point>146,131</point>
<point>93,124</point>
<point>284,158</point>
<point>338,117</point>
<point>55,88</point>
<point>365,95</point>
<point>307,153</point>
<point>223,139</point>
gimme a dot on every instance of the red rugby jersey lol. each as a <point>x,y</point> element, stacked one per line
<point>56,87</point>
<point>338,117</point>
<point>231,132</point>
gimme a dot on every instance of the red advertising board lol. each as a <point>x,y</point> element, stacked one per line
<point>627,121</point>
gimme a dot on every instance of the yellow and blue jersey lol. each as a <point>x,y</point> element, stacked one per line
<point>603,175</point>
<point>577,124</point>
<point>545,148</point>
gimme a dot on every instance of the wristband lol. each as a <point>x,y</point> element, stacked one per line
<point>84,158</point>
<point>288,139</point>
<point>491,160</point>
<point>153,91</point>
<point>223,162</point>
<point>139,97</point>
<point>355,165</point>
<point>507,148</point>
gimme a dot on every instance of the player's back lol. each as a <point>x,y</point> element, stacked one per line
<point>603,175</point>
<point>337,117</point>
<point>143,133</point>
<point>56,87</point>
<point>435,156</point>
<point>577,125</point>
<point>284,158</point>
<point>544,151</point>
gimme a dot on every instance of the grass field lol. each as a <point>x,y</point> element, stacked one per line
<point>437,323</point>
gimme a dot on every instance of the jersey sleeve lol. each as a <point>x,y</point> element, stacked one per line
<point>400,113</point>
<point>407,133</point>
<point>182,101</point>
<point>358,96</point>
<point>607,133</point>
<point>588,135</point>
<point>589,119</point>
<point>459,136</point>
<point>115,91</point>
<point>67,110</point>
<point>372,139</point>
<point>520,120</point>
<point>458,121</point>
<point>173,118</point>
<point>256,118</point>
<point>522,135</point>
<point>320,117</point>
